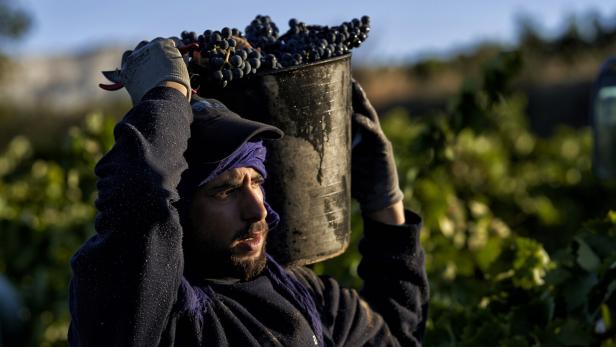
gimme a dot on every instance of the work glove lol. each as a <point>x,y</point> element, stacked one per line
<point>374,182</point>
<point>149,65</point>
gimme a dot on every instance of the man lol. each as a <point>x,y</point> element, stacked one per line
<point>179,257</point>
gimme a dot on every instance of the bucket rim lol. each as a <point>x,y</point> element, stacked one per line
<point>205,91</point>
<point>346,56</point>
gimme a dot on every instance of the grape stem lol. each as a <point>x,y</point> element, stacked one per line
<point>227,56</point>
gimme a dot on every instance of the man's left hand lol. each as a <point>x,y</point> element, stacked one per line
<point>373,169</point>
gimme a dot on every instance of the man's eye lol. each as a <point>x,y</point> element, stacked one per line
<point>225,194</point>
<point>257,182</point>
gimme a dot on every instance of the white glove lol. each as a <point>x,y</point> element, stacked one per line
<point>149,65</point>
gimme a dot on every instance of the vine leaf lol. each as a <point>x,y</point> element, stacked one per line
<point>586,258</point>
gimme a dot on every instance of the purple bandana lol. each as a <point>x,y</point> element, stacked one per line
<point>250,154</point>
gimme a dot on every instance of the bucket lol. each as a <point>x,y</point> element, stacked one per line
<point>309,181</point>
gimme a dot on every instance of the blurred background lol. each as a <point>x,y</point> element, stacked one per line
<point>488,107</point>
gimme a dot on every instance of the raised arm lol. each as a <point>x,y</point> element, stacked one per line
<point>126,277</point>
<point>395,281</point>
<point>392,266</point>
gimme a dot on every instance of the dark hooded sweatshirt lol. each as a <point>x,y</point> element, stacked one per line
<point>128,287</point>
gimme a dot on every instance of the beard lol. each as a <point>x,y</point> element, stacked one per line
<point>240,267</point>
<point>247,269</point>
<point>209,262</point>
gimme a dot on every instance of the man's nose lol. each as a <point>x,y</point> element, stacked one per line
<point>252,207</point>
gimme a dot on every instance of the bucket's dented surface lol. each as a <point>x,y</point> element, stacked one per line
<point>309,182</point>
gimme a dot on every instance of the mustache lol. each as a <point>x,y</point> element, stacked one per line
<point>251,231</point>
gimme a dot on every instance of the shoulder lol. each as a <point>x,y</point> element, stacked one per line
<point>320,287</point>
<point>326,290</point>
<point>308,278</point>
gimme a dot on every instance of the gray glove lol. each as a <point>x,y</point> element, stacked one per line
<point>374,182</point>
<point>149,65</point>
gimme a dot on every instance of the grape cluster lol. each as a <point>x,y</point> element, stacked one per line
<point>262,32</point>
<point>222,56</point>
<point>227,55</point>
<point>309,43</point>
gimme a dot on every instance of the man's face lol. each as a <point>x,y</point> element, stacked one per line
<point>227,237</point>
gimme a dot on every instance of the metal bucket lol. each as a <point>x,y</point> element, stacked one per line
<point>309,169</point>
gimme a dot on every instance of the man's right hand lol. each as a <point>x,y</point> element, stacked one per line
<point>150,64</point>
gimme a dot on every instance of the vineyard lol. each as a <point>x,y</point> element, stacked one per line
<point>518,232</point>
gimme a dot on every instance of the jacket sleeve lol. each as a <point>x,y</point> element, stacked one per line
<point>126,277</point>
<point>393,306</point>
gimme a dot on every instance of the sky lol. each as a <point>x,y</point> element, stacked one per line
<point>401,30</point>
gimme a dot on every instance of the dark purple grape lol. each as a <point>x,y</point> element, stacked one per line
<point>254,54</point>
<point>247,68</point>
<point>254,62</point>
<point>236,61</point>
<point>298,58</point>
<point>217,75</point>
<point>327,53</point>
<point>227,75</point>
<point>226,33</point>
<point>242,53</point>
<point>270,61</point>
<point>217,62</point>
<point>237,73</point>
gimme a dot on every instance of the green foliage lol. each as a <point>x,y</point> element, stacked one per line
<point>510,260</point>
<point>46,213</point>
<point>495,198</point>
<point>502,209</point>
<point>572,305</point>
